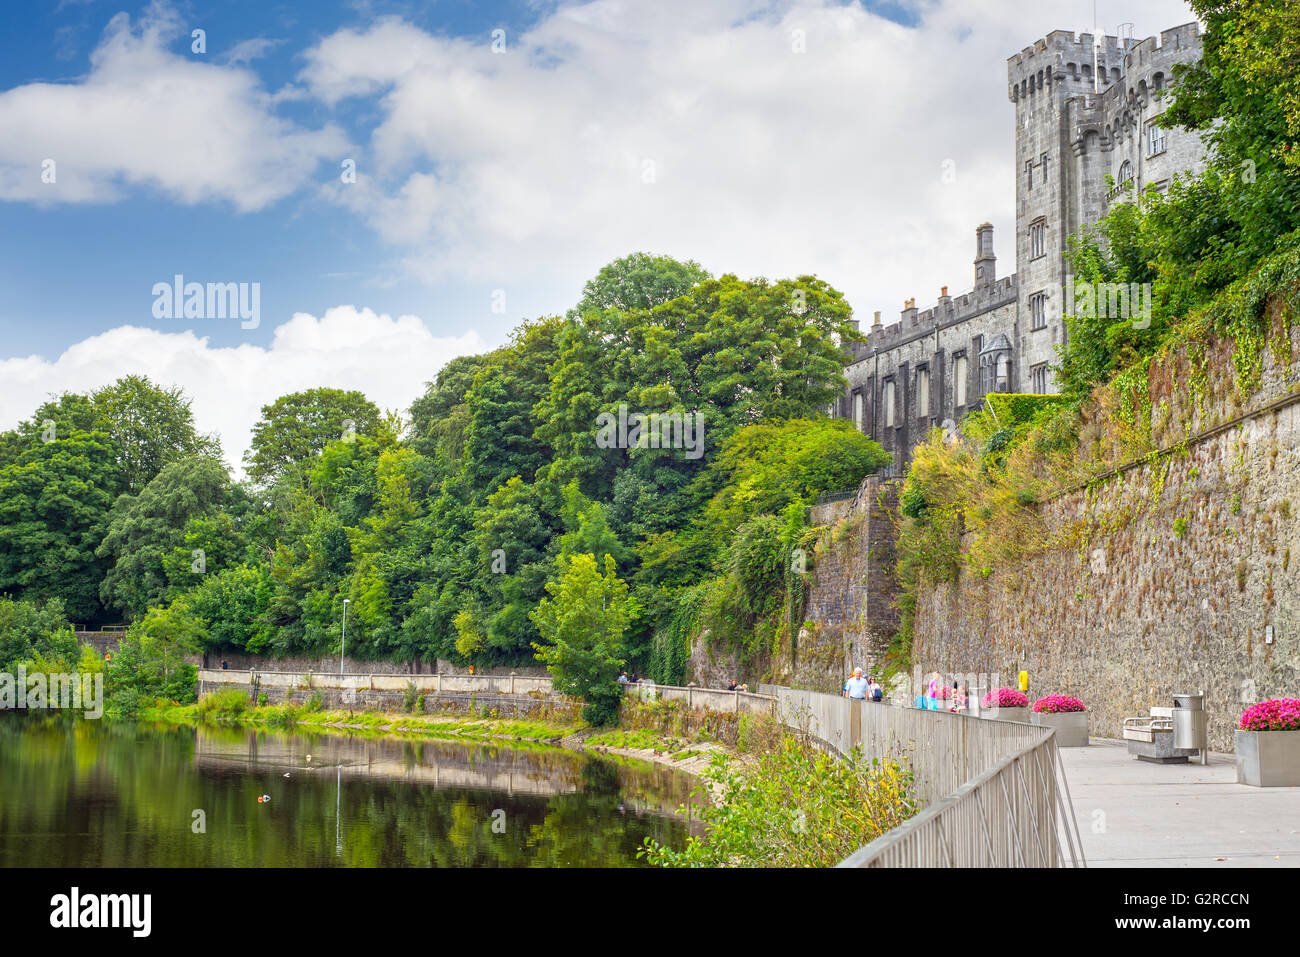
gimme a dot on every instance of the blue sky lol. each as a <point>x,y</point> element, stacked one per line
<point>493,178</point>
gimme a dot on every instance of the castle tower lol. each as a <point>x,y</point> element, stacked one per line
<point>1042,80</point>
<point>1087,108</point>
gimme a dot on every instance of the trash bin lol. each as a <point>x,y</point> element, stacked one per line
<point>1190,729</point>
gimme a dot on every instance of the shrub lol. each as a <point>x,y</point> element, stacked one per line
<point>796,807</point>
<point>313,703</point>
<point>284,716</point>
<point>224,705</point>
<point>757,734</point>
<point>1276,714</point>
<point>1058,704</point>
<point>1006,698</point>
<point>410,696</point>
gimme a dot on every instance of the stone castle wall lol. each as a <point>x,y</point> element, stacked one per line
<point>1176,574</point>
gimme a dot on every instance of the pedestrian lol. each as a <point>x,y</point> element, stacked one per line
<point>622,679</point>
<point>958,700</point>
<point>732,686</point>
<point>223,664</point>
<point>856,686</point>
<point>877,692</point>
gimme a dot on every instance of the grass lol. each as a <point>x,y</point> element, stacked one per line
<point>289,716</point>
<point>643,739</point>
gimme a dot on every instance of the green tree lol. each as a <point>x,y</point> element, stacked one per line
<point>297,427</point>
<point>54,506</point>
<point>150,660</point>
<point>581,626</point>
<point>150,427</point>
<point>28,630</point>
<point>639,281</point>
<point>144,530</point>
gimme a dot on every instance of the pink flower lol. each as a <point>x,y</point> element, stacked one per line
<point>1005,698</point>
<point>1276,714</point>
<point>1058,703</point>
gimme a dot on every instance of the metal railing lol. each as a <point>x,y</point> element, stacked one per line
<point>994,792</point>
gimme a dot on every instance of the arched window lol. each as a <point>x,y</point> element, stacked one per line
<point>1125,173</point>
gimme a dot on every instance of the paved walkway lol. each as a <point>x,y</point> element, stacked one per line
<point>1135,814</point>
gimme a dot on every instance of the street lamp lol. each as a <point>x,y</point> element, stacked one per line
<point>344,649</point>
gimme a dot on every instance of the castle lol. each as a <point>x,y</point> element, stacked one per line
<point>1084,111</point>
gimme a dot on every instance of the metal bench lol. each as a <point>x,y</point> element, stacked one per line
<point>1151,738</point>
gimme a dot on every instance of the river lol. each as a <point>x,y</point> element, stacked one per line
<point>81,793</point>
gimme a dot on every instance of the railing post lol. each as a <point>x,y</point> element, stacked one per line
<point>690,696</point>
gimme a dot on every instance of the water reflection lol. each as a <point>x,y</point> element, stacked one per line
<point>99,793</point>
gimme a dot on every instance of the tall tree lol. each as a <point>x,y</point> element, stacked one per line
<point>581,627</point>
<point>296,427</point>
<point>55,500</point>
<point>639,281</point>
<point>144,530</point>
<point>150,426</point>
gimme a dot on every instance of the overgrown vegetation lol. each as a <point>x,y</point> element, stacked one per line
<point>793,806</point>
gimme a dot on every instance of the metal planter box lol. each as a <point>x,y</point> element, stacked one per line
<point>1071,726</point>
<point>1006,714</point>
<point>1268,759</point>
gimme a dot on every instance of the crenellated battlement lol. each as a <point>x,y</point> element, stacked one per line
<point>915,322</point>
<point>1065,57</point>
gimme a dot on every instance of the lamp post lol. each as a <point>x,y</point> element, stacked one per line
<point>344,649</point>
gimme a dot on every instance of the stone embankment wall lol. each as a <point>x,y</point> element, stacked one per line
<point>352,666</point>
<point>1176,574</point>
<point>850,618</point>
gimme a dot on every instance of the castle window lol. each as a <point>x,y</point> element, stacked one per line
<point>1038,379</point>
<point>1037,239</point>
<point>922,392</point>
<point>1029,174</point>
<point>1125,175</point>
<point>959,381</point>
<point>1038,311</point>
<point>1044,162</point>
<point>857,410</point>
<point>889,403</point>
<point>1155,139</point>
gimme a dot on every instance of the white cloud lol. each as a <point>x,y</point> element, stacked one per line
<point>532,165</point>
<point>144,116</point>
<point>388,359</point>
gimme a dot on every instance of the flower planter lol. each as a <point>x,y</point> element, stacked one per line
<point>1020,715</point>
<point>1071,726</point>
<point>1268,759</point>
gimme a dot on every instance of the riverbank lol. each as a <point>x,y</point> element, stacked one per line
<point>690,756</point>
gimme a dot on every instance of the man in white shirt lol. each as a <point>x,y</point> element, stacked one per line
<point>856,686</point>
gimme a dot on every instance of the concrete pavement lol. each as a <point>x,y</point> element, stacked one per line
<point>1135,814</point>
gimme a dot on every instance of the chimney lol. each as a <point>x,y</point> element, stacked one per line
<point>986,264</point>
<point>875,323</point>
<point>909,310</point>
